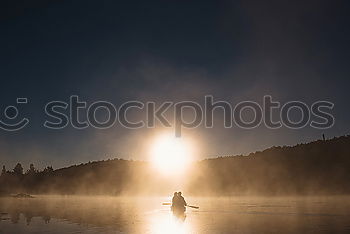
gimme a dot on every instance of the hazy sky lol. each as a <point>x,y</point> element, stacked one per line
<point>168,51</point>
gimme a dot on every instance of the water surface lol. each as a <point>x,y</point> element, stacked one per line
<point>75,214</point>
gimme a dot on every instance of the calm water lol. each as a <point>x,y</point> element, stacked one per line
<point>70,214</point>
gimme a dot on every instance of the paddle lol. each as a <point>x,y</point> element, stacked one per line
<point>169,204</point>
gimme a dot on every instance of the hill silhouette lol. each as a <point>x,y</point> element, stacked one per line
<point>316,168</point>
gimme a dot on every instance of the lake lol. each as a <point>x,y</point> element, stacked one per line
<point>100,214</point>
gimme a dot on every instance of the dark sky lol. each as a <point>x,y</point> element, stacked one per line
<point>168,50</point>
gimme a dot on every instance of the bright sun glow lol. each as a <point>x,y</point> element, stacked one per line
<point>170,154</point>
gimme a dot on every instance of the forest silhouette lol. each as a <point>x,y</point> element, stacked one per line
<point>318,168</point>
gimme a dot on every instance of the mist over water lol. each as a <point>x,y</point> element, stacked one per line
<point>104,214</point>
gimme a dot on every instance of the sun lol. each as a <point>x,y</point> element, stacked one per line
<point>171,155</point>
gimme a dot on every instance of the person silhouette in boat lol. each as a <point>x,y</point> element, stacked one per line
<point>182,201</point>
<point>174,201</point>
<point>178,203</point>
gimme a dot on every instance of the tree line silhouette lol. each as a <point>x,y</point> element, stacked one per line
<point>316,168</point>
<point>319,167</point>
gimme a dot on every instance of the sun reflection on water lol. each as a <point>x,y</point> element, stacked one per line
<point>168,223</point>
